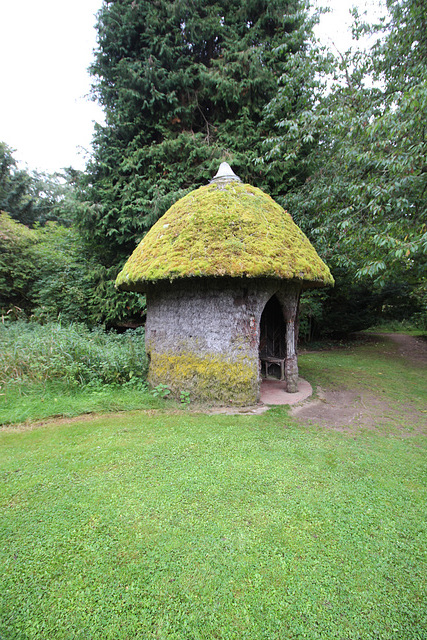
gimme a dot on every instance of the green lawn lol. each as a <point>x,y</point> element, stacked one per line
<point>173,525</point>
<point>373,366</point>
<point>26,402</point>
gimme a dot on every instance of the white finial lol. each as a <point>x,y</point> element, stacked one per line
<point>225,174</point>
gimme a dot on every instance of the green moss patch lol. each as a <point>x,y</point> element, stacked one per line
<point>224,230</point>
<point>208,378</point>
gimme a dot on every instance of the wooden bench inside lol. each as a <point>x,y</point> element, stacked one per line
<point>268,361</point>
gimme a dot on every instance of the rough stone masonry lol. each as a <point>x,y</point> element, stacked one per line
<point>204,339</point>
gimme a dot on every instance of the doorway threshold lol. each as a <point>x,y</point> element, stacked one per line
<point>273,391</point>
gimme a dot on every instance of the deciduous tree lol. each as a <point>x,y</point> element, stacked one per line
<point>32,197</point>
<point>364,200</point>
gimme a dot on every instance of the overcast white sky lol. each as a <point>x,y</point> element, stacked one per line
<point>45,49</point>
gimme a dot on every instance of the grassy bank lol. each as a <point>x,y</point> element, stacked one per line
<point>71,354</point>
<point>185,526</point>
<point>373,365</point>
<point>198,527</point>
<point>67,370</point>
<point>23,403</point>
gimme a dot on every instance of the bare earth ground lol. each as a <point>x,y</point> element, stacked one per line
<point>349,410</point>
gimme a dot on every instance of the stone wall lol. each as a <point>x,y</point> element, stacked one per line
<point>202,336</point>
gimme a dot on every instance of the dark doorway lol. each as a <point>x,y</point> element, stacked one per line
<point>272,338</point>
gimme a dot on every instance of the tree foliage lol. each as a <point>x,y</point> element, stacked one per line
<point>47,273</point>
<point>47,270</point>
<point>364,201</point>
<point>339,141</point>
<point>364,198</point>
<point>184,85</point>
<point>16,266</point>
<point>31,197</point>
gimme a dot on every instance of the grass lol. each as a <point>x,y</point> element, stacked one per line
<point>373,365</point>
<point>399,326</point>
<point>174,525</point>
<point>71,354</point>
<point>23,403</point>
<point>67,369</point>
<point>190,526</point>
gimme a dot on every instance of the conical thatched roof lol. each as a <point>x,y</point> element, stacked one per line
<point>224,229</point>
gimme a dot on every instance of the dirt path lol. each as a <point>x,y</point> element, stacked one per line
<point>414,349</point>
<point>349,410</point>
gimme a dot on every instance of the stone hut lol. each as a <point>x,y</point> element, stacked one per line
<point>223,271</point>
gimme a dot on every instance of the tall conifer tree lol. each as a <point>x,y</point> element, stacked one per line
<point>184,84</point>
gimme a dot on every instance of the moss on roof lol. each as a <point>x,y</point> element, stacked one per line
<point>230,229</point>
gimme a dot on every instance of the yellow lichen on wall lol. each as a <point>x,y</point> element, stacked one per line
<point>224,230</point>
<point>210,378</point>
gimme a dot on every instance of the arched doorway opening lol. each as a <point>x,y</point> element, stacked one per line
<point>272,340</point>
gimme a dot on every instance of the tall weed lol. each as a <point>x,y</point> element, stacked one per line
<point>72,354</point>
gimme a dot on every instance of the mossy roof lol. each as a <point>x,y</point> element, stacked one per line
<point>230,229</point>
